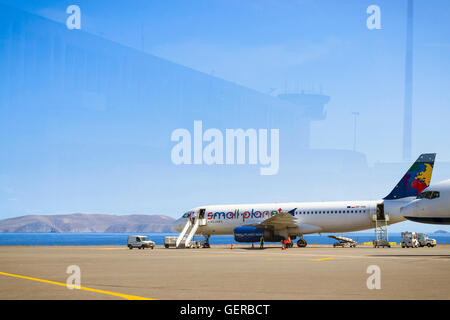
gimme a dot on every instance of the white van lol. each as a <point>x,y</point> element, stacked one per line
<point>140,242</point>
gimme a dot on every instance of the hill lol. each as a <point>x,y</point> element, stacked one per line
<point>80,222</point>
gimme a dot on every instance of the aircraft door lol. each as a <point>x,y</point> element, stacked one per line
<point>380,212</point>
<point>201,217</point>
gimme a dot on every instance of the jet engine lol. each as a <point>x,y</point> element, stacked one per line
<point>254,234</point>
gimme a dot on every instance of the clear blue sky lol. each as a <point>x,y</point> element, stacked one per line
<point>268,46</point>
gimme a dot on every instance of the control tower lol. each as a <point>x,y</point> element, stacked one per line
<point>311,108</point>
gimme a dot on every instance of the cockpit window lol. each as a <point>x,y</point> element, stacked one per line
<point>429,195</point>
<point>187,214</point>
<point>435,195</point>
<point>425,195</point>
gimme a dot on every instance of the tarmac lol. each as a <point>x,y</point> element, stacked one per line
<point>314,272</point>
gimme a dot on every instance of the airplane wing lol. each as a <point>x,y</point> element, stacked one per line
<point>281,220</point>
<point>287,220</point>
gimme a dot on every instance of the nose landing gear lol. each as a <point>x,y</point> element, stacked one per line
<point>206,242</point>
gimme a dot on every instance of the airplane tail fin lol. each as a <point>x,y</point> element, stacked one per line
<point>416,178</point>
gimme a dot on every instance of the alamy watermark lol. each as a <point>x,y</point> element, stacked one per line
<point>233,149</point>
<point>374,20</point>
<point>374,280</point>
<point>74,20</point>
<point>74,280</point>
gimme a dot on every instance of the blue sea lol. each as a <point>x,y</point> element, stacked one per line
<point>96,239</point>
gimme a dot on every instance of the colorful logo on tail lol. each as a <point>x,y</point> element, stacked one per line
<point>416,179</point>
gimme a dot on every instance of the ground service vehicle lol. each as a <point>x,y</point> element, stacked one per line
<point>139,242</point>
<point>409,240</point>
<point>343,242</point>
<point>425,241</point>
<point>171,242</point>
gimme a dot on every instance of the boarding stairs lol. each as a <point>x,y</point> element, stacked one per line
<point>190,228</point>
<point>381,220</point>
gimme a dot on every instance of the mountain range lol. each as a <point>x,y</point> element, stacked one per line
<point>81,222</point>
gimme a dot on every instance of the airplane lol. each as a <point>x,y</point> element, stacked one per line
<point>431,206</point>
<point>275,222</point>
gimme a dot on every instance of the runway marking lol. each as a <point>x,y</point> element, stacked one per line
<point>125,296</point>
<point>108,248</point>
<point>323,259</point>
<point>285,256</point>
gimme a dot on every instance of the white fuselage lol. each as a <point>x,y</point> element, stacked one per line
<point>309,217</point>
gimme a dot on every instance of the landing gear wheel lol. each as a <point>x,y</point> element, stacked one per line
<point>206,243</point>
<point>301,243</point>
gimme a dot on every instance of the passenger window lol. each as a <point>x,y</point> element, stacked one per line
<point>137,239</point>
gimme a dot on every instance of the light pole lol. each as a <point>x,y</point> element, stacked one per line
<point>407,117</point>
